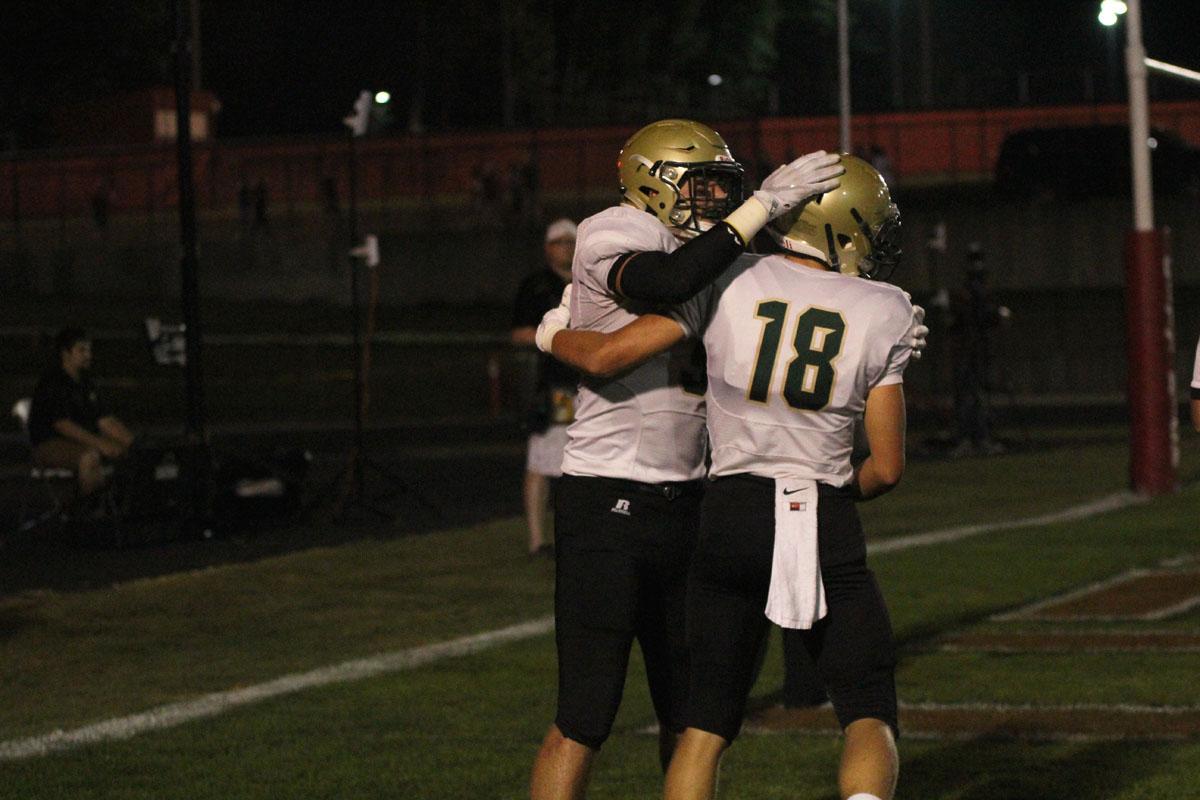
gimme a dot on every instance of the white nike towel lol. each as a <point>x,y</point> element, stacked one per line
<point>797,596</point>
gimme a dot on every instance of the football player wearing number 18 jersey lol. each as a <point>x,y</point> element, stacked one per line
<point>800,350</point>
<point>627,508</point>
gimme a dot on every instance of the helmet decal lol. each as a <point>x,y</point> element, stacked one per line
<point>832,249</point>
<point>854,229</point>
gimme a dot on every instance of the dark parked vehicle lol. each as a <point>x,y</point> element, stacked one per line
<point>1090,162</point>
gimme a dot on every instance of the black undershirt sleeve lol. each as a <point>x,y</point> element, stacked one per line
<point>659,277</point>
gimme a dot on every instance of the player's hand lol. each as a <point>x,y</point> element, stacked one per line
<point>804,178</point>
<point>554,321</point>
<point>917,332</point>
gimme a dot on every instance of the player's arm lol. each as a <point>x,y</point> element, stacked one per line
<point>606,354</point>
<point>675,277</point>
<point>884,424</point>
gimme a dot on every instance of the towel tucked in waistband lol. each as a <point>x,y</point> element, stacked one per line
<point>796,598</point>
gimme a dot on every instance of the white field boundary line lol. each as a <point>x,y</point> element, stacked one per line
<point>1000,708</point>
<point>1172,611</point>
<point>1128,709</point>
<point>211,705</point>
<point>1030,611</point>
<point>1150,642</point>
<point>1150,649</point>
<point>1112,502</point>
<point>1117,708</point>
<point>1157,615</point>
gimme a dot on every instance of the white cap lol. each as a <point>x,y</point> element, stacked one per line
<point>560,229</point>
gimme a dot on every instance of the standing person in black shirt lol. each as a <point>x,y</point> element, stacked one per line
<point>975,315</point>
<point>554,400</point>
<point>68,426</point>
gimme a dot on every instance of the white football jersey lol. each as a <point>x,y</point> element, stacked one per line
<point>643,424</point>
<point>792,353</point>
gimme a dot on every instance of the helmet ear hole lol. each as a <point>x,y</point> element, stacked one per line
<point>844,240</point>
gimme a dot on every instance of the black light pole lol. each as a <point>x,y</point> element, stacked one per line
<point>356,304</point>
<point>197,464</point>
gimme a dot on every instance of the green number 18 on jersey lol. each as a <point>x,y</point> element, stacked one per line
<point>809,380</point>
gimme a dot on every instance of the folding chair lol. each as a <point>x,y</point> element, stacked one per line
<point>59,490</point>
<point>56,485</point>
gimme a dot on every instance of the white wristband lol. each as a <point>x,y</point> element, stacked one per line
<point>748,219</point>
<point>544,338</point>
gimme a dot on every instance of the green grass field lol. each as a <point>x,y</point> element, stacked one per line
<point>468,727</point>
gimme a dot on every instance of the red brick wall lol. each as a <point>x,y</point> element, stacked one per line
<point>141,179</point>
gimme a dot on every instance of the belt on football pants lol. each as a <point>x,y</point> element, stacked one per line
<point>669,490</point>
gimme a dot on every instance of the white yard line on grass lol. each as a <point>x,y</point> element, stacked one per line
<point>1112,502</point>
<point>219,702</point>
<point>210,705</point>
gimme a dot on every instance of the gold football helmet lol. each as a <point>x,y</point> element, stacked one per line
<point>682,172</point>
<point>854,229</point>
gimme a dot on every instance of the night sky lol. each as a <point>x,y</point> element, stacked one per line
<point>295,67</point>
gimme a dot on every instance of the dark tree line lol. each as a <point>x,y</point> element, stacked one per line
<point>295,66</point>
<point>54,53</point>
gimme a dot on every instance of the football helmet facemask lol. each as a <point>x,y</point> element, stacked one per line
<point>682,172</point>
<point>854,229</point>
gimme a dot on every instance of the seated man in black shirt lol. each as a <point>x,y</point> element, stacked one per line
<point>68,427</point>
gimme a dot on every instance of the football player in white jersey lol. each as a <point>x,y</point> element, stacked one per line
<point>627,509</point>
<point>799,352</point>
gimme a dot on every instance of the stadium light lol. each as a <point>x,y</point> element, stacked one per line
<point>1111,11</point>
<point>383,98</point>
<point>715,80</point>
